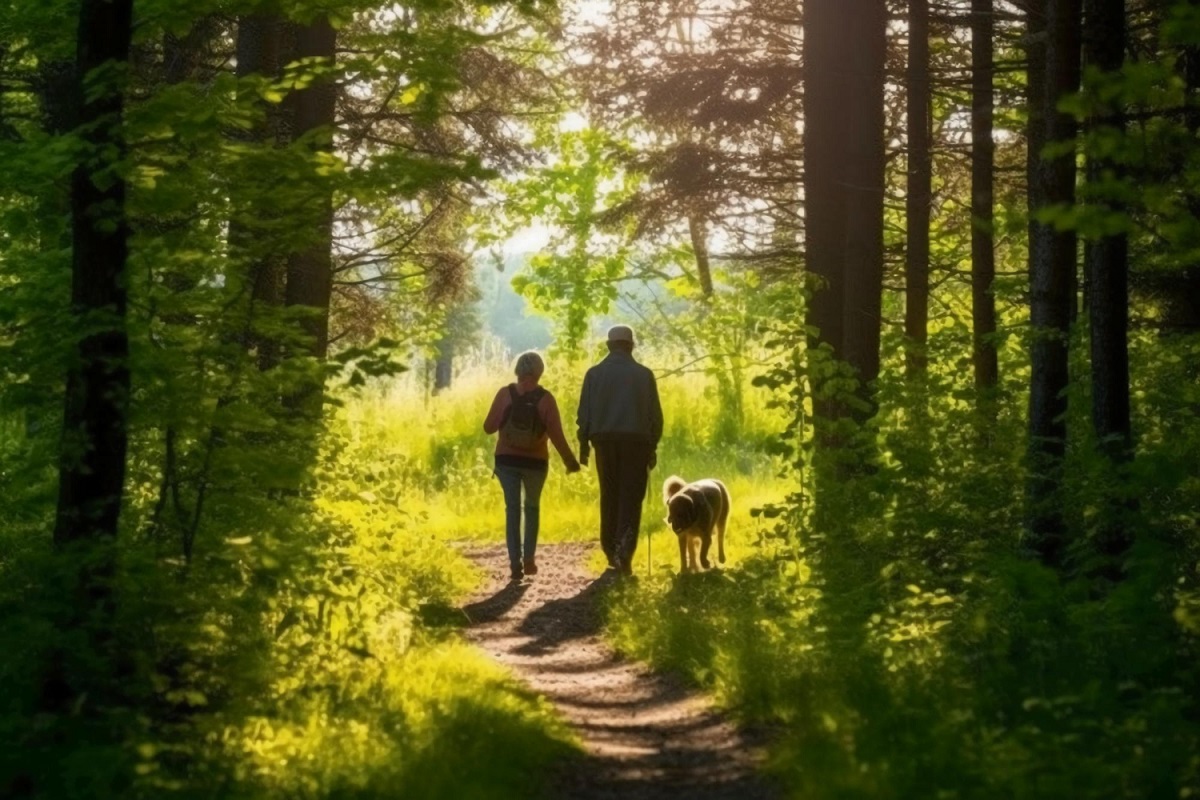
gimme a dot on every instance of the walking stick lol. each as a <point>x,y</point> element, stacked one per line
<point>649,536</point>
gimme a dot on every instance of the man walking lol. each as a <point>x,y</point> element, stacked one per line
<point>621,417</point>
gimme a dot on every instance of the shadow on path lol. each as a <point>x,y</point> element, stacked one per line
<point>646,735</point>
<point>493,608</point>
<point>557,622</point>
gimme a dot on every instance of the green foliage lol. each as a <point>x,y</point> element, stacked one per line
<point>575,277</point>
<point>897,643</point>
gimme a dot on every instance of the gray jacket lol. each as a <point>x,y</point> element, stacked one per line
<point>619,401</point>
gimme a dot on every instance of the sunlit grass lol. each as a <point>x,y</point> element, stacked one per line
<point>434,453</point>
<point>438,722</point>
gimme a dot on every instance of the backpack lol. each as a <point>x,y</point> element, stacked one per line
<point>523,427</point>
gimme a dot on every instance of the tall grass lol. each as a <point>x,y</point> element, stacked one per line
<point>434,460</point>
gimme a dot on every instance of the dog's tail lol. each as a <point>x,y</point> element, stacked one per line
<point>671,487</point>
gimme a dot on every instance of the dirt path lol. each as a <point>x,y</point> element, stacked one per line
<point>646,736</point>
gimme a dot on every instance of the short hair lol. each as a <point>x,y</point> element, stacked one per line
<point>619,344</point>
<point>529,364</point>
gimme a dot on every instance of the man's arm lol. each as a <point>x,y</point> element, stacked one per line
<point>583,418</point>
<point>656,413</point>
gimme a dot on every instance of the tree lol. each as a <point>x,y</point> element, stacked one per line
<point>309,269</point>
<point>983,149</point>
<point>845,44</point>
<point>1054,73</point>
<point>919,194</point>
<point>259,50</point>
<point>1106,259</point>
<point>95,433</point>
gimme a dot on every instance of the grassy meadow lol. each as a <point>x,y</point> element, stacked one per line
<point>430,455</point>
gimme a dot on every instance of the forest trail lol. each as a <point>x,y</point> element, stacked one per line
<point>646,735</point>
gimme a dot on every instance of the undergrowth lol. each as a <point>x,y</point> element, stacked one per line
<point>308,649</point>
<point>900,644</point>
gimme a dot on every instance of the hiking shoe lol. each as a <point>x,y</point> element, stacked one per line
<point>516,574</point>
<point>530,567</point>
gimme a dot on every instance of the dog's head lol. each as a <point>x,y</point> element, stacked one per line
<point>681,513</point>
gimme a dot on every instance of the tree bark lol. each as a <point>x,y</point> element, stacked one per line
<point>260,45</point>
<point>700,247</point>
<point>95,432</point>
<point>919,190</point>
<point>310,270</point>
<point>862,309</point>
<point>844,49</point>
<point>826,86</point>
<point>983,150</point>
<point>1052,267</point>
<point>443,367</point>
<point>1178,289</point>
<point>1106,263</point>
<point>1107,260</point>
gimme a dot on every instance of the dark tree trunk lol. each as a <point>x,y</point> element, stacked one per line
<point>260,45</point>
<point>700,248</point>
<point>862,309</point>
<point>845,43</point>
<point>310,270</point>
<point>1179,289</point>
<point>95,433</point>
<point>443,368</point>
<point>1052,267</point>
<point>1106,262</point>
<point>309,273</point>
<point>827,85</point>
<point>983,150</point>
<point>919,190</point>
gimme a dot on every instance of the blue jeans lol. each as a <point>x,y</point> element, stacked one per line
<point>512,479</point>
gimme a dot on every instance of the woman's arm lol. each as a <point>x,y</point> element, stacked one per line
<point>550,417</point>
<point>495,415</point>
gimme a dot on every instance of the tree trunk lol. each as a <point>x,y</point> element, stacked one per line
<point>827,85</point>
<point>862,310</point>
<point>983,251</point>
<point>310,270</point>
<point>1052,266</point>
<point>443,367</point>
<point>1179,288</point>
<point>845,43</point>
<point>1106,262</point>
<point>700,248</point>
<point>260,52</point>
<point>919,190</point>
<point>95,432</point>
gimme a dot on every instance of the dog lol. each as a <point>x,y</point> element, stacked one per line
<point>694,511</point>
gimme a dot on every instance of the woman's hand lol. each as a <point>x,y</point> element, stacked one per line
<point>572,465</point>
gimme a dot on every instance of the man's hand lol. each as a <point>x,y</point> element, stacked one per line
<point>653,459</point>
<point>572,466</point>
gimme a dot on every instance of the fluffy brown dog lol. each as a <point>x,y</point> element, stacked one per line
<point>694,510</point>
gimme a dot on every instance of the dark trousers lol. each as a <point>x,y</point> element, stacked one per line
<point>623,469</point>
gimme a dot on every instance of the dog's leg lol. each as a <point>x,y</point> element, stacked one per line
<point>693,547</point>
<point>705,544</point>
<point>682,553</point>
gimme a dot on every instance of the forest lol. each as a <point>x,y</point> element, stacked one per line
<point>919,281</point>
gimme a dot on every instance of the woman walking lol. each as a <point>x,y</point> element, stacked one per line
<point>526,417</point>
